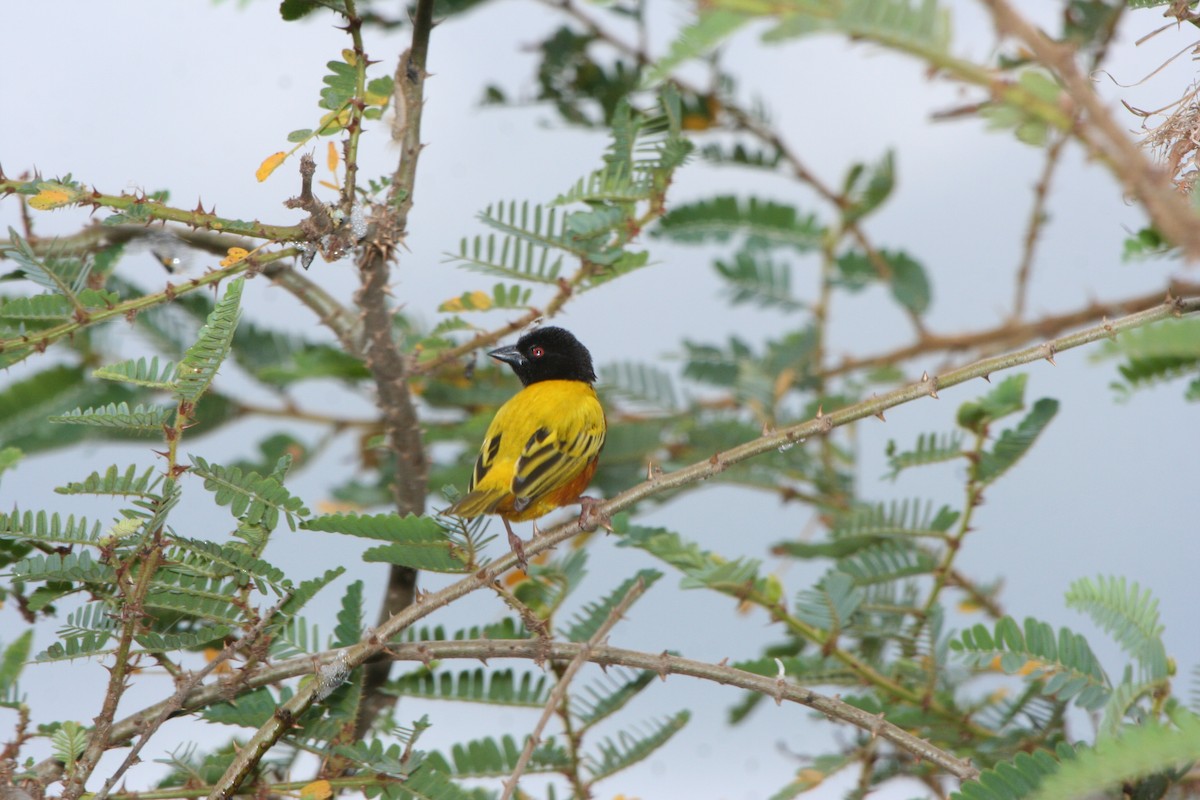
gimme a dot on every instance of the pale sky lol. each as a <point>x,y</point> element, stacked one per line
<point>191,96</point>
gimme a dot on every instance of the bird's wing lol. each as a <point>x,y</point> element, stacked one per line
<point>554,455</point>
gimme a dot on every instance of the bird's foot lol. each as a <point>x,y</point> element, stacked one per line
<point>590,517</point>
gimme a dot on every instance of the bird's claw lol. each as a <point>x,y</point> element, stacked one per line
<point>590,517</point>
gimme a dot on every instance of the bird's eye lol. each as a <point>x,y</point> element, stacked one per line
<point>537,352</point>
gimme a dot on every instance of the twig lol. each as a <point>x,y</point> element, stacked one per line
<point>1037,221</point>
<point>375,642</point>
<point>176,701</point>
<point>383,355</point>
<point>1011,334</point>
<point>1169,210</point>
<point>778,688</point>
<point>559,693</point>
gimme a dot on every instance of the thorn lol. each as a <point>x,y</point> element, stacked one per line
<point>724,662</point>
<point>767,429</point>
<point>987,377</point>
<point>879,414</point>
<point>1050,350</point>
<point>664,669</point>
<point>932,384</point>
<point>877,725</point>
<point>925,377</point>
<point>820,411</point>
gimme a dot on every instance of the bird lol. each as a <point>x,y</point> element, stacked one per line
<point>543,446</point>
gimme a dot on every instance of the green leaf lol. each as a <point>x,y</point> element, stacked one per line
<point>250,497</point>
<point>292,10</point>
<point>9,456</point>
<point>153,642</point>
<point>832,604</point>
<point>762,223</point>
<point>418,542</point>
<point>350,617</point>
<point>68,744</point>
<point>865,196</point>
<point>755,278</point>
<point>1016,779</point>
<point>910,284</point>
<point>1006,398</point>
<point>696,40</point>
<point>493,687</point>
<point>1014,442</point>
<point>596,702</point>
<point>13,661</point>
<point>117,483</point>
<point>701,568</point>
<point>140,419</point>
<point>1129,615</point>
<point>589,619</point>
<point>1119,763</point>
<point>48,530</point>
<point>489,758</point>
<point>930,449</point>
<point>141,373</point>
<point>640,383</point>
<point>627,749</point>
<point>200,363</point>
<point>25,405</point>
<point>1066,663</point>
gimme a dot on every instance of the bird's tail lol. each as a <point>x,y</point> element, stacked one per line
<point>477,503</point>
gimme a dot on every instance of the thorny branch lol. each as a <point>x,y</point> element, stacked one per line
<point>376,641</point>
<point>384,356</point>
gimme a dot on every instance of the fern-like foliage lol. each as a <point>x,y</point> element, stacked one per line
<point>919,27</point>
<point>754,277</point>
<point>640,383</point>
<point>530,242</point>
<point>118,484</point>
<point>525,247</point>
<point>1016,779</point>
<point>64,276</point>
<point>492,758</point>
<point>50,530</point>
<point>589,619</point>
<point>250,497</point>
<point>140,419</point>
<point>867,525</point>
<point>1065,662</point>
<point>701,568</point>
<point>149,374</point>
<point>55,308</point>
<point>12,661</point>
<point>1014,442</point>
<point>200,363</point>
<point>1145,761</point>
<point>502,687</point>
<point>629,747</point>
<point>1157,353</point>
<point>1129,615</point>
<point>599,700</point>
<point>418,542</point>
<point>760,223</point>
<point>831,604</point>
<point>931,448</point>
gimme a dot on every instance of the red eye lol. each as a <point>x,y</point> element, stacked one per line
<point>537,352</point>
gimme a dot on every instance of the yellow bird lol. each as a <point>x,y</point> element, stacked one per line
<point>543,446</point>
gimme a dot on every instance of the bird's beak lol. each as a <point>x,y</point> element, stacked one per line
<point>509,355</point>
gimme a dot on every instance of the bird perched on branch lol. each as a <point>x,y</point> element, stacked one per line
<point>542,448</point>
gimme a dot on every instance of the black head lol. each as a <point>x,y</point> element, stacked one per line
<point>548,354</point>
